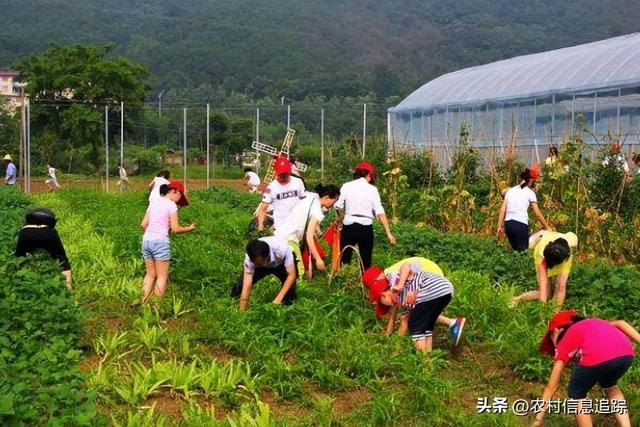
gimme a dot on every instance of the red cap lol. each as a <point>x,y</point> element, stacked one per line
<point>282,165</point>
<point>560,319</point>
<point>534,171</point>
<point>366,166</point>
<point>376,288</point>
<point>615,146</point>
<point>177,185</point>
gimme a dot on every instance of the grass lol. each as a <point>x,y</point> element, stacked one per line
<point>193,359</point>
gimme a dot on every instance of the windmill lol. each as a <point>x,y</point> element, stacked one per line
<point>274,152</point>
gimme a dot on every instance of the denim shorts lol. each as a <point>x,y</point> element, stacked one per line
<point>159,250</point>
<point>605,374</point>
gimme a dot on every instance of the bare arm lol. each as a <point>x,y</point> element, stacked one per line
<point>392,320</point>
<point>177,228</point>
<point>311,244</point>
<point>543,282</point>
<point>262,213</point>
<point>247,284</point>
<point>539,215</point>
<point>628,330</point>
<point>503,212</point>
<point>405,272</point>
<point>385,224</point>
<point>145,222</point>
<point>288,283</point>
<point>551,388</point>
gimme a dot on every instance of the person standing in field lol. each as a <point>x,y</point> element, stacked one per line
<point>514,218</point>
<point>636,161</point>
<point>422,296</point>
<point>52,181</point>
<point>162,178</point>
<point>602,351</point>
<point>160,218</point>
<point>267,256</point>
<point>123,182</point>
<point>300,227</point>
<point>39,233</point>
<point>394,277</point>
<point>281,194</point>
<point>11,173</point>
<point>552,258</point>
<point>251,179</point>
<point>360,203</point>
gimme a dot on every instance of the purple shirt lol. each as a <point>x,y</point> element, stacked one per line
<point>10,176</point>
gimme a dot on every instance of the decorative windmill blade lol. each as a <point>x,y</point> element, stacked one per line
<point>274,152</point>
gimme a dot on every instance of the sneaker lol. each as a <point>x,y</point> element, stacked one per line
<point>455,330</point>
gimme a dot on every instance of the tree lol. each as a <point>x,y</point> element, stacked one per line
<point>69,87</point>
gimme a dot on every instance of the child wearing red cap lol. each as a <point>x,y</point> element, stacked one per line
<point>401,272</point>
<point>423,296</point>
<point>552,258</point>
<point>360,201</point>
<point>602,352</point>
<point>160,218</point>
<point>514,218</point>
<point>282,194</point>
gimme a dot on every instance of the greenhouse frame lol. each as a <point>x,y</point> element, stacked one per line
<point>530,101</point>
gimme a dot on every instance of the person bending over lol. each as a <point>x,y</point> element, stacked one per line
<point>602,351</point>
<point>39,233</point>
<point>266,256</point>
<point>423,298</point>
<point>403,271</point>
<point>552,258</point>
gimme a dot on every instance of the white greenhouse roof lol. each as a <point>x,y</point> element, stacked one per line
<point>603,64</point>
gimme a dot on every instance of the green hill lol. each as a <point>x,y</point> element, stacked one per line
<point>300,47</point>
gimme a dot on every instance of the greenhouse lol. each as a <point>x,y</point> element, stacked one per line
<point>530,101</point>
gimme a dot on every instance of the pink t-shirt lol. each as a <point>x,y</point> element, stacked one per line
<point>159,211</point>
<point>593,341</point>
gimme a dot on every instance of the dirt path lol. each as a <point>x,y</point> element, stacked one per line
<point>136,184</point>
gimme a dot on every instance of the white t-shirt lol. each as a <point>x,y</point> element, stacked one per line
<point>254,179</point>
<point>155,191</point>
<point>619,160</point>
<point>159,211</point>
<point>51,172</point>
<point>279,254</point>
<point>293,227</point>
<point>518,201</point>
<point>360,201</point>
<point>283,198</point>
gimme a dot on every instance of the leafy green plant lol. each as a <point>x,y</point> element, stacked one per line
<point>140,384</point>
<point>141,418</point>
<point>151,337</point>
<point>108,345</point>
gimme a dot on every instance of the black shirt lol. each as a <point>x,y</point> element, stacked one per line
<point>30,239</point>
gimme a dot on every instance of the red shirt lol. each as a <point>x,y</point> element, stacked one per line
<point>593,341</point>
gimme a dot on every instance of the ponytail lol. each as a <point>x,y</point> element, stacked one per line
<point>525,176</point>
<point>164,189</point>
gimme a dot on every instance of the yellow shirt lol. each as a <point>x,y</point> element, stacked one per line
<point>538,252</point>
<point>421,264</point>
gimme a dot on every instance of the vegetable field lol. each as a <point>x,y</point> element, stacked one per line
<point>96,357</point>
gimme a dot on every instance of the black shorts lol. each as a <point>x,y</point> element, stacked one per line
<point>606,374</point>
<point>422,318</point>
<point>518,235</point>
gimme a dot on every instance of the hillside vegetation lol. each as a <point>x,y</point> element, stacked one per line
<point>300,47</point>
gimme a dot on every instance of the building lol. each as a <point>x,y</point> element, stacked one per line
<point>532,101</point>
<point>7,78</point>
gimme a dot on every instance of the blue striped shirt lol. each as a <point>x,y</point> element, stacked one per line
<point>427,286</point>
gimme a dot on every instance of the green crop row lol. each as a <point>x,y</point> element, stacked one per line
<point>40,380</point>
<point>322,361</point>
